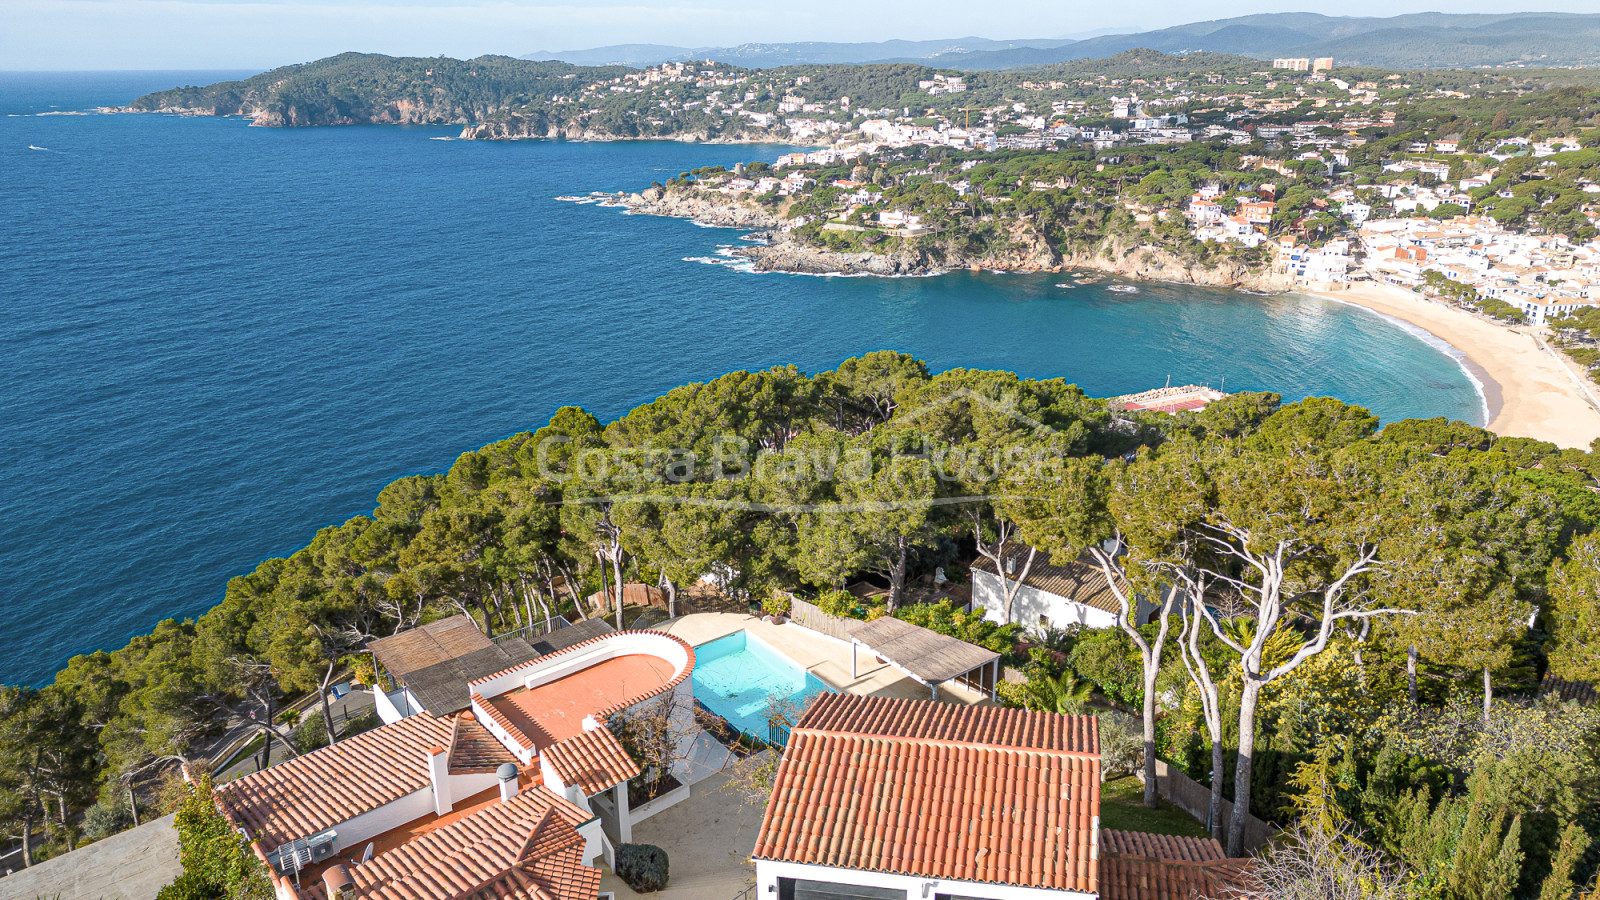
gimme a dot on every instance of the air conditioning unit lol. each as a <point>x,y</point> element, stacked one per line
<point>322,844</point>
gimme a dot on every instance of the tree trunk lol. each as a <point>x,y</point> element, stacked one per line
<point>616,571</point>
<point>672,597</point>
<point>1013,588</point>
<point>1411,673</point>
<point>1241,777</point>
<point>1488,695</point>
<point>1218,766</point>
<point>133,804</point>
<point>1150,800</point>
<point>897,573</point>
<point>327,713</point>
<point>488,624</point>
<point>27,841</point>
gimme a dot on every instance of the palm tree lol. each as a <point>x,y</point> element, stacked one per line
<point>1066,695</point>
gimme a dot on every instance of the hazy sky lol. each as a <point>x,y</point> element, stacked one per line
<point>260,34</point>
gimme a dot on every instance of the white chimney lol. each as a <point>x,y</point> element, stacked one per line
<point>1011,565</point>
<point>508,781</point>
<point>439,773</point>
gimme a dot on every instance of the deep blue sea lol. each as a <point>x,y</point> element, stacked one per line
<point>215,339</point>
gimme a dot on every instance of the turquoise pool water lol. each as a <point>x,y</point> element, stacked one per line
<point>738,677</point>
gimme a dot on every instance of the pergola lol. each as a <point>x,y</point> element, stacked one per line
<point>929,657</point>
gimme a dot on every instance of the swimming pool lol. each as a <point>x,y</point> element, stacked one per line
<point>737,676</point>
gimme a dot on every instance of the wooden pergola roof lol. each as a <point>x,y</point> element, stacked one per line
<point>928,656</point>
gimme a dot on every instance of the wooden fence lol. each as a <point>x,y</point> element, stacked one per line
<point>808,615</point>
<point>1194,798</point>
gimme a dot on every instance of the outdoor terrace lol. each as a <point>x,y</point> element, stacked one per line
<point>554,711</point>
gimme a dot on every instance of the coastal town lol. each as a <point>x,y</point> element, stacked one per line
<point>1293,177</point>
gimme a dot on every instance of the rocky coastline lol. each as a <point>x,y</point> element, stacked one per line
<point>780,251</point>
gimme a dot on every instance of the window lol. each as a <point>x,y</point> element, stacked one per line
<point>1044,621</point>
<point>802,889</point>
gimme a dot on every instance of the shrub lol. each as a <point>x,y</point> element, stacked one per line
<point>312,734</point>
<point>776,605</point>
<point>191,886</point>
<point>839,603</point>
<point>107,816</point>
<point>642,867</point>
<point>214,853</point>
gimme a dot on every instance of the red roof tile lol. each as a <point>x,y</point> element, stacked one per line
<point>320,789</point>
<point>1141,878</point>
<point>526,848</point>
<point>922,719</point>
<point>942,791</point>
<point>1159,846</point>
<point>593,761</point>
<point>474,750</point>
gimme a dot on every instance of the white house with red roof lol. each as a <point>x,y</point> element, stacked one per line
<point>514,797</point>
<point>889,799</point>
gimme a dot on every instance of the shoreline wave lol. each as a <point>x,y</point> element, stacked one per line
<point>1474,372</point>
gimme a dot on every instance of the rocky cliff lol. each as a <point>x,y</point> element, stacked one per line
<point>1027,250</point>
<point>705,207</point>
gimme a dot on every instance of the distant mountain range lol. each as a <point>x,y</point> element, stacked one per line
<point>1416,41</point>
<point>763,56</point>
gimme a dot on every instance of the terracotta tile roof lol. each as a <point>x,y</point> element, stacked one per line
<point>921,719</point>
<point>917,789</point>
<point>1142,878</point>
<point>593,761</point>
<point>1081,580</point>
<point>929,655</point>
<point>426,645</point>
<point>325,787</point>
<point>1159,846</point>
<point>474,750</point>
<point>527,848</point>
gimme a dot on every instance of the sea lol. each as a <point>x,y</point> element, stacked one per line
<point>216,339</point>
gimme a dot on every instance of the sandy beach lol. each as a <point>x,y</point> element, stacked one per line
<point>1531,390</point>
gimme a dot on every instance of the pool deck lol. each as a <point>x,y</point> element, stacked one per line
<point>823,656</point>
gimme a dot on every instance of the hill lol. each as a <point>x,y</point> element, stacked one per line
<point>765,56</point>
<point>1418,41</point>
<point>1414,41</point>
<point>369,87</point>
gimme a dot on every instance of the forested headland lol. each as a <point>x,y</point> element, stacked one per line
<point>1378,611</point>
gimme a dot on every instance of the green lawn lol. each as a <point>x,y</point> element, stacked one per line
<point>1122,809</point>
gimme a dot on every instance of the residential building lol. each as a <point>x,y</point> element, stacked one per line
<point>883,798</point>
<point>426,669</point>
<point>1301,64</point>
<point>1258,212</point>
<point>879,798</point>
<point>514,797</point>
<point>1075,594</point>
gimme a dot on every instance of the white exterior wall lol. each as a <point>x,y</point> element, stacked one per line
<point>464,786</point>
<point>389,711</point>
<point>523,754</point>
<point>373,822</point>
<point>544,671</point>
<point>989,595</point>
<point>916,887</point>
